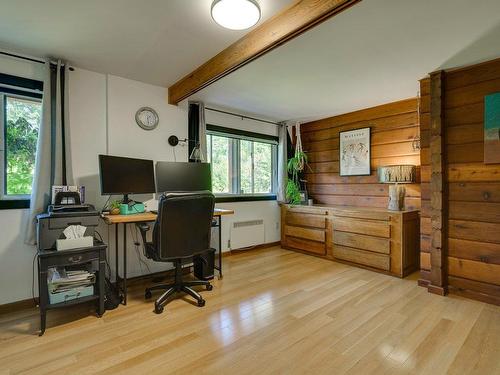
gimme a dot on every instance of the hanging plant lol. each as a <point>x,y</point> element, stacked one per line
<point>295,165</point>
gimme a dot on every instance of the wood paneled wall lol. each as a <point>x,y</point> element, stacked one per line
<point>394,126</point>
<point>425,179</point>
<point>472,187</point>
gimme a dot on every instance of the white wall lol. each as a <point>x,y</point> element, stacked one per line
<point>102,109</point>
<point>102,118</point>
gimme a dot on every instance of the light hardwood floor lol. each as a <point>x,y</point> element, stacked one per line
<point>275,312</point>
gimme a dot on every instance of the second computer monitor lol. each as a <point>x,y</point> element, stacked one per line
<point>178,177</point>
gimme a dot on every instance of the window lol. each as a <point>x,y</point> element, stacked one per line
<point>243,163</point>
<point>20,116</point>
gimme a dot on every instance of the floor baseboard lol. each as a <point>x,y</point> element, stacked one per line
<point>256,247</point>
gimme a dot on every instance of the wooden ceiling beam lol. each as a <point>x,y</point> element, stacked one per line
<point>284,26</point>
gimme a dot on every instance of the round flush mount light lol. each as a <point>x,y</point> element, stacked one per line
<point>236,14</point>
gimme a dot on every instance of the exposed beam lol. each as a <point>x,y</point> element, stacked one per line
<point>291,22</point>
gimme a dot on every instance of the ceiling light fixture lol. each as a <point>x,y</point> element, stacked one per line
<point>236,14</point>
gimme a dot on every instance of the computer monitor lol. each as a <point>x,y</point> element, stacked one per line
<point>178,177</point>
<point>126,176</point>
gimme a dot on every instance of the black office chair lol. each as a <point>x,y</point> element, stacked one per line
<point>181,232</point>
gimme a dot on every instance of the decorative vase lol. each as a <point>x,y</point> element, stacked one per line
<point>396,197</point>
<point>115,211</point>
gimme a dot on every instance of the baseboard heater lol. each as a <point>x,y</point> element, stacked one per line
<point>247,233</point>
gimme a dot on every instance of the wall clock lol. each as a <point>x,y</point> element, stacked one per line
<point>147,118</point>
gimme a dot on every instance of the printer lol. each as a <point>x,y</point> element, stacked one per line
<point>50,225</point>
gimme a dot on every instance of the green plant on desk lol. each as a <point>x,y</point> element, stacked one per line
<point>114,207</point>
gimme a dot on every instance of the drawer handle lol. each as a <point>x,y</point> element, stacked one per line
<point>75,259</point>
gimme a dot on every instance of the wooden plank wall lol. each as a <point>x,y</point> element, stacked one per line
<point>473,187</point>
<point>393,129</point>
<point>425,179</point>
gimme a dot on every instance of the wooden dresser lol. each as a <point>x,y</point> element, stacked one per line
<point>377,239</point>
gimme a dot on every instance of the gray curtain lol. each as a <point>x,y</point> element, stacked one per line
<point>51,166</point>
<point>202,131</point>
<point>282,161</point>
<point>197,132</point>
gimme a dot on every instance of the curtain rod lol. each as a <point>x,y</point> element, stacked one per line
<point>27,58</point>
<point>240,116</point>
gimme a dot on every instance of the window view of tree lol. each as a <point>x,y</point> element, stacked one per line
<point>21,129</point>
<point>220,152</point>
<point>246,167</point>
<point>240,166</point>
<point>263,168</point>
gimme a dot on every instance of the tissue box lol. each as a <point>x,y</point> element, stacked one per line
<point>74,243</point>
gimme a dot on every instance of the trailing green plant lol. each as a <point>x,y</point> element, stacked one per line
<point>295,165</point>
<point>292,192</point>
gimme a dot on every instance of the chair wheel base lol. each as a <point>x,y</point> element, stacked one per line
<point>209,287</point>
<point>201,303</point>
<point>158,309</point>
<point>147,294</point>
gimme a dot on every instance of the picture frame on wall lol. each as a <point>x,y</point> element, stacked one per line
<point>354,152</point>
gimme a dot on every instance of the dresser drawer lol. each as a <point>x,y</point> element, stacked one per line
<point>363,242</point>
<point>305,233</point>
<point>367,227</point>
<point>366,258</point>
<point>305,220</point>
<point>306,245</point>
<point>308,210</point>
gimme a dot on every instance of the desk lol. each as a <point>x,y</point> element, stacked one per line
<point>147,217</point>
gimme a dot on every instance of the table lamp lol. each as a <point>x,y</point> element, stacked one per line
<point>397,174</point>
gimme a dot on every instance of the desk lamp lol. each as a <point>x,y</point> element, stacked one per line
<point>397,174</point>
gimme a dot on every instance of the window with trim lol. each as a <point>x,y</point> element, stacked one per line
<point>20,116</point>
<point>243,163</point>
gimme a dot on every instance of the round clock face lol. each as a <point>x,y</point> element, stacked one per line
<point>147,118</point>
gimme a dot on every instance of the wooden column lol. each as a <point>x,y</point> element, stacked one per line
<point>438,279</point>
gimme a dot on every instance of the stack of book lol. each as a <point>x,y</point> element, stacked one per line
<point>65,285</point>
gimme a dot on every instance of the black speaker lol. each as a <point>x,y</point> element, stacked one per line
<point>204,266</point>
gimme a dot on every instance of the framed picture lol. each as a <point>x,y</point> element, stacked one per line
<point>355,152</point>
<point>492,128</point>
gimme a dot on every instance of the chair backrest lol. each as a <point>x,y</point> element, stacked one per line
<point>183,226</point>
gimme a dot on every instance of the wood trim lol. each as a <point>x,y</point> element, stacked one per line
<point>438,202</point>
<point>294,20</point>
<point>256,247</point>
<point>18,306</point>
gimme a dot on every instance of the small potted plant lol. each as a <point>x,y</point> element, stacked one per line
<point>114,207</point>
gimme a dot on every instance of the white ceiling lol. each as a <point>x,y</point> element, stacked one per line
<point>153,41</point>
<point>372,53</point>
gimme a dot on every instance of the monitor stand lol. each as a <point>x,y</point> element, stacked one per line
<point>129,206</point>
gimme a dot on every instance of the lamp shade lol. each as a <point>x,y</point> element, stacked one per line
<point>402,174</point>
<point>196,154</point>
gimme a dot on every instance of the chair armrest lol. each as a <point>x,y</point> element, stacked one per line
<point>143,228</point>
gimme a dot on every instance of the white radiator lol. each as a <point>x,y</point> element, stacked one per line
<point>247,233</point>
